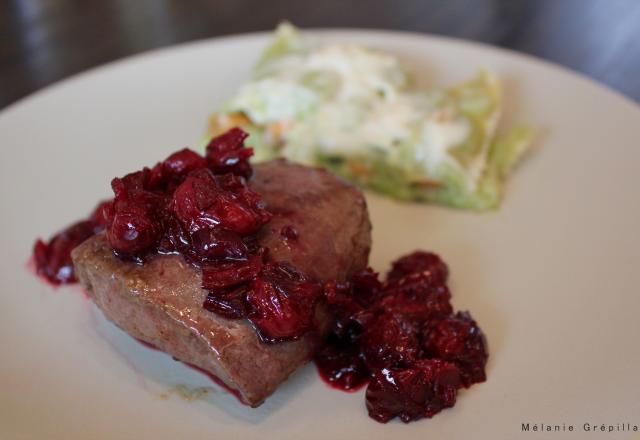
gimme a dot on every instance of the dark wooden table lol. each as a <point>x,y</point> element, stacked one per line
<point>42,41</point>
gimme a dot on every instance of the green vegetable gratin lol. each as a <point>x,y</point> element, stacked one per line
<point>356,112</point>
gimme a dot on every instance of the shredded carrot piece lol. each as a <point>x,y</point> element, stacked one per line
<point>359,169</point>
<point>426,183</point>
<point>219,124</point>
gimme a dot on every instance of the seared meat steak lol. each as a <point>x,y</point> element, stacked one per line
<point>320,225</point>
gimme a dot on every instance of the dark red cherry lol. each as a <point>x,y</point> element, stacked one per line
<point>182,162</point>
<point>227,153</point>
<point>340,363</point>
<point>53,259</point>
<point>133,232</point>
<point>220,276</point>
<point>419,261</point>
<point>390,341</point>
<point>231,304</point>
<point>459,340</point>
<point>216,243</point>
<point>422,390</point>
<point>283,302</point>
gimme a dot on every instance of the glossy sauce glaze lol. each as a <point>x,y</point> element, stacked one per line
<point>201,208</point>
<point>53,259</point>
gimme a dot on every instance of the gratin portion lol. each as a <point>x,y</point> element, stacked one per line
<point>356,112</point>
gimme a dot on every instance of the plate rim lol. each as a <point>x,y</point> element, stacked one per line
<point>363,31</point>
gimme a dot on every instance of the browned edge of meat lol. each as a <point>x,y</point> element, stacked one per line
<point>160,302</point>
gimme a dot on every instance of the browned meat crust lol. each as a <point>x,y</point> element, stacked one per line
<point>161,302</point>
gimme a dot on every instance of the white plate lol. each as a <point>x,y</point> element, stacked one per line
<point>552,277</point>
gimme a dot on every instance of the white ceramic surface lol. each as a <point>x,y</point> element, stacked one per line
<point>552,277</point>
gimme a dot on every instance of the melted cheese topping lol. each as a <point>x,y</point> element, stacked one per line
<point>345,99</point>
